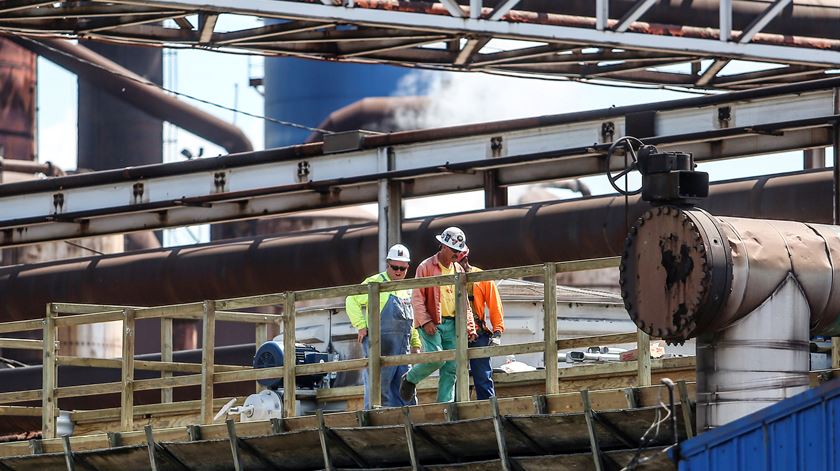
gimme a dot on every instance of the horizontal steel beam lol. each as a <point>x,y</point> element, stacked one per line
<point>710,47</point>
<point>426,162</point>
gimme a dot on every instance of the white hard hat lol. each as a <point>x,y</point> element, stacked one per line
<point>453,238</point>
<point>399,253</point>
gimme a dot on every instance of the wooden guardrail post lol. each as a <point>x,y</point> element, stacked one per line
<point>49,376</point>
<point>260,337</point>
<point>127,394</point>
<point>208,360</point>
<point>374,323</point>
<point>552,381</point>
<point>166,355</point>
<point>462,367</point>
<point>289,360</point>
<point>643,359</point>
<point>835,352</point>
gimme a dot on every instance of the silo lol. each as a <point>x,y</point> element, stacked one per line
<point>307,91</point>
<point>107,123</point>
<point>17,101</point>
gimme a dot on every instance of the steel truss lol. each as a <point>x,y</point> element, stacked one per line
<point>603,45</point>
<point>411,164</point>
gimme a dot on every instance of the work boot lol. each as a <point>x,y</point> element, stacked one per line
<point>407,389</point>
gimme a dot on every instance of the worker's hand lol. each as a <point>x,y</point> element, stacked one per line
<point>472,337</point>
<point>415,349</point>
<point>496,339</point>
<point>362,335</point>
<point>430,328</point>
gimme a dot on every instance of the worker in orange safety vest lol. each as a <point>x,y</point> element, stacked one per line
<point>484,299</point>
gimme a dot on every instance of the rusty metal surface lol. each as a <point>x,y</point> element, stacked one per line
<point>17,101</point>
<point>132,88</point>
<point>685,273</point>
<point>513,236</point>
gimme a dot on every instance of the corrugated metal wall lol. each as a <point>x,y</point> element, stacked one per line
<point>802,432</point>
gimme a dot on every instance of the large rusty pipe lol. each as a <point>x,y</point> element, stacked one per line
<point>137,91</point>
<point>536,233</point>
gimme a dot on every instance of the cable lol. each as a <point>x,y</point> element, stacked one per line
<point>83,247</point>
<point>176,93</point>
<point>646,439</point>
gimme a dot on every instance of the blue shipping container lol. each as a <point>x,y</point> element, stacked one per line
<point>802,432</point>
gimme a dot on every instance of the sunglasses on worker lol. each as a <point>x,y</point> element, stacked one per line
<point>398,268</point>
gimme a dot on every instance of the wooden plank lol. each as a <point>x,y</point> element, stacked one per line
<point>590,425</point>
<point>208,360</point>
<point>69,460</point>
<point>20,411</point>
<point>374,323</point>
<point>607,339</point>
<point>499,429</point>
<point>502,273</point>
<point>835,353</point>
<point>588,264</point>
<point>409,440</point>
<point>94,318</point>
<point>234,444</point>
<point>22,344</point>
<point>21,396</point>
<point>685,405</point>
<point>246,302</point>
<point>552,380</point>
<point>49,401</point>
<point>332,292</point>
<point>166,354</point>
<point>150,446</point>
<point>127,376</point>
<point>260,337</point>
<point>322,436</point>
<point>462,366</point>
<point>172,408</point>
<point>643,362</point>
<point>289,382</point>
<point>21,326</point>
<point>249,317</point>
<point>143,365</point>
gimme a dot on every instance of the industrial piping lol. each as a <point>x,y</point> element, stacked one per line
<point>135,90</point>
<point>555,231</point>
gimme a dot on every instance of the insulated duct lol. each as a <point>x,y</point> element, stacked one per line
<point>752,292</point>
<point>555,231</point>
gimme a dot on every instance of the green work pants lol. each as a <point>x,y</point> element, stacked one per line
<point>443,339</point>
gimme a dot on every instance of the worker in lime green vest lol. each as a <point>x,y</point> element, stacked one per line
<point>398,335</point>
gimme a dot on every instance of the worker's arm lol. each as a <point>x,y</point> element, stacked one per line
<point>494,304</point>
<point>414,342</point>
<point>355,306</point>
<point>418,300</point>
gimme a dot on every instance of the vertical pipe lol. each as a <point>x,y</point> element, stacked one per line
<point>208,360</point>
<point>602,13</point>
<point>725,20</point>
<point>127,395</point>
<point>289,360</point>
<point>374,347</point>
<point>552,374</point>
<point>49,380</point>
<point>462,370</point>
<point>835,137</point>
<point>166,354</point>
<point>643,359</point>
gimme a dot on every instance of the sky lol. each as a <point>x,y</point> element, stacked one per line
<point>460,98</point>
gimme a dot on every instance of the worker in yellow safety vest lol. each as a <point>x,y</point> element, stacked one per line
<point>397,335</point>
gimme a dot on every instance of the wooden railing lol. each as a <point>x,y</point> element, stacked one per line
<point>208,373</point>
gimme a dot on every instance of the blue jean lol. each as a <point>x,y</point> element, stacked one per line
<point>480,370</point>
<point>397,320</point>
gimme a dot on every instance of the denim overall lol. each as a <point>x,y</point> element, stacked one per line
<point>396,324</point>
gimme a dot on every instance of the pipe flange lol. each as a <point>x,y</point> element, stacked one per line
<point>671,272</point>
